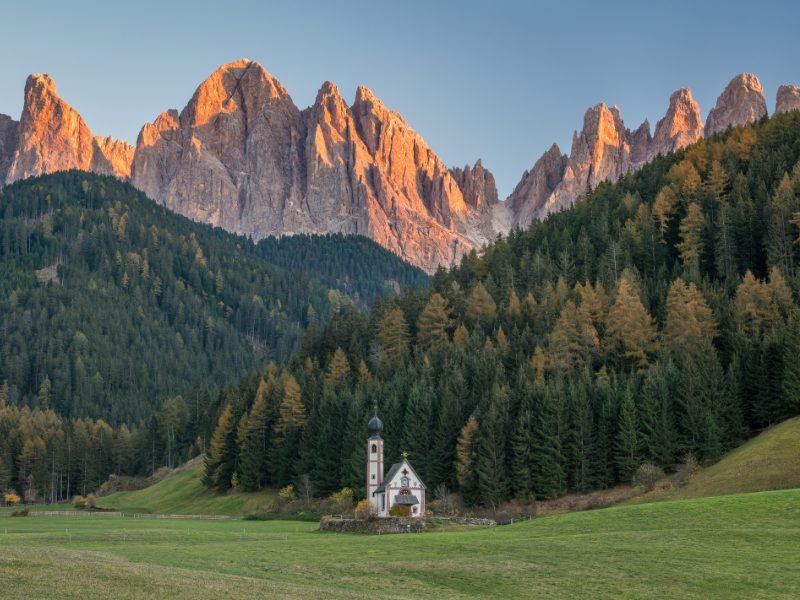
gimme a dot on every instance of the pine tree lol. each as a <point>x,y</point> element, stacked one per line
<point>547,468</point>
<point>253,446</point>
<point>657,415</point>
<point>44,393</point>
<point>492,477</point>
<point>791,370</point>
<point>521,452</point>
<point>628,456</point>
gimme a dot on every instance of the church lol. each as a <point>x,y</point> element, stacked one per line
<point>401,486</point>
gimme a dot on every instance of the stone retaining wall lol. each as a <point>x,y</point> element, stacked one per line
<point>375,526</point>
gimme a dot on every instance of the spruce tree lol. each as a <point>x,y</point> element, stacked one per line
<point>627,455</point>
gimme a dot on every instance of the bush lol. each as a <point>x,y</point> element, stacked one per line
<point>689,467</point>
<point>21,513</point>
<point>91,501</point>
<point>342,501</point>
<point>79,502</point>
<point>11,499</point>
<point>287,494</point>
<point>400,510</point>
<point>364,511</point>
<point>647,476</point>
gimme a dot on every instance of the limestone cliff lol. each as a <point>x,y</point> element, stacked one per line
<point>741,102</point>
<point>788,98</point>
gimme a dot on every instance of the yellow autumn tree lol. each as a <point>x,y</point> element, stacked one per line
<point>480,304</point>
<point>338,368</point>
<point>690,326</point>
<point>573,341</point>
<point>461,336</point>
<point>691,234</point>
<point>629,330</point>
<point>393,335</point>
<point>433,323</point>
<point>466,451</point>
<point>291,410</point>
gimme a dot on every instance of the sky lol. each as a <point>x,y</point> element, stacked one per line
<point>496,80</point>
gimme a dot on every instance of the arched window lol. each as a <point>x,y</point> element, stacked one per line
<point>404,482</point>
<point>374,448</point>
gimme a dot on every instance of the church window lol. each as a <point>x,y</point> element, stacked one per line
<point>374,448</point>
<point>404,482</point>
<point>373,476</point>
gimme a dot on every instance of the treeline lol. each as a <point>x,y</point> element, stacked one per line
<point>47,458</point>
<point>655,320</point>
<point>118,303</point>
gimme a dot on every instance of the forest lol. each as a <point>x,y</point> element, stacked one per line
<point>655,321</point>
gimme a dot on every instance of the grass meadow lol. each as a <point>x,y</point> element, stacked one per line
<point>738,546</point>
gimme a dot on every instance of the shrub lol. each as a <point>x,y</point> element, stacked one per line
<point>91,501</point>
<point>648,475</point>
<point>79,502</point>
<point>287,494</point>
<point>11,499</point>
<point>688,468</point>
<point>365,510</point>
<point>400,510</point>
<point>342,501</point>
<point>21,513</point>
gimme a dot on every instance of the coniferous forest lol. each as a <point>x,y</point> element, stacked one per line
<point>655,320</point>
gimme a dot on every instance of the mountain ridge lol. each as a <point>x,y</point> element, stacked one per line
<point>241,155</point>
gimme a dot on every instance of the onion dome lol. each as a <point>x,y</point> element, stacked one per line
<point>375,426</point>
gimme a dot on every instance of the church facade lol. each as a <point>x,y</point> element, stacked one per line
<point>399,486</point>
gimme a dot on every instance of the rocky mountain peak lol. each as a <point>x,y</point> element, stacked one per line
<point>681,126</point>
<point>741,102</point>
<point>52,136</point>
<point>477,184</point>
<point>788,98</point>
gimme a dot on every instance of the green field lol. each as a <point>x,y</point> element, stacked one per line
<point>183,493</point>
<point>740,546</point>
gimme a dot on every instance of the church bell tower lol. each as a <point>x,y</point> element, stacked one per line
<point>374,456</point>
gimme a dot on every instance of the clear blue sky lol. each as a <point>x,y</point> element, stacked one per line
<point>496,80</point>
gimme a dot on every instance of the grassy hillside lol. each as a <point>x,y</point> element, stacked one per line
<point>184,494</point>
<point>770,461</point>
<point>742,546</point>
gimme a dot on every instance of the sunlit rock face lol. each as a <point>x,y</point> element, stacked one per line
<point>788,98</point>
<point>741,102</point>
<point>52,136</point>
<point>680,127</point>
<point>242,156</point>
<point>604,150</point>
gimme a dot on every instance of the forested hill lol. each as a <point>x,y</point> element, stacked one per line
<point>655,320</point>
<point>110,303</point>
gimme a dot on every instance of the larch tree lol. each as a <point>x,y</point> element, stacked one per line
<point>393,337</point>
<point>220,462</point>
<point>466,452</point>
<point>338,369</point>
<point>433,323</point>
<point>480,304</point>
<point>630,330</point>
<point>690,326</point>
<point>691,235</point>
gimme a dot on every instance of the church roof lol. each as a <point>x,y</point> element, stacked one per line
<point>393,471</point>
<point>406,499</point>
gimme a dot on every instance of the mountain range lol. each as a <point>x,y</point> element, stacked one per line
<point>241,155</point>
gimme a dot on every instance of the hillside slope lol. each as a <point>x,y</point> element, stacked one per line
<point>110,303</point>
<point>769,461</point>
<point>182,493</point>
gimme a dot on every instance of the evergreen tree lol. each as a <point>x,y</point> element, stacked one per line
<point>628,457</point>
<point>433,323</point>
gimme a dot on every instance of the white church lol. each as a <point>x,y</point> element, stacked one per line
<point>401,486</point>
